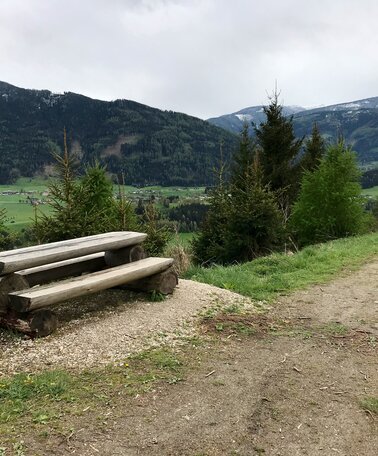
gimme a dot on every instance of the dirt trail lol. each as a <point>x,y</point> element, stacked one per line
<point>295,392</point>
<point>275,395</point>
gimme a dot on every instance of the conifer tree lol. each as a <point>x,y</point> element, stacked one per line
<point>81,207</point>
<point>243,158</point>
<point>243,220</point>
<point>330,205</point>
<point>314,150</point>
<point>209,244</point>
<point>255,223</point>
<point>279,149</point>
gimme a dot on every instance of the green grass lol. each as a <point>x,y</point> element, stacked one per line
<point>181,239</point>
<point>44,398</point>
<point>370,404</point>
<point>20,214</point>
<point>267,277</point>
<point>372,191</point>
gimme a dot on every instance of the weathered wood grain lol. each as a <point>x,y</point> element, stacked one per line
<point>14,260</point>
<point>124,256</point>
<point>165,282</point>
<point>91,283</point>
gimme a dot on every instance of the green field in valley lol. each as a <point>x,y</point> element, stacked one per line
<point>373,191</point>
<point>17,198</point>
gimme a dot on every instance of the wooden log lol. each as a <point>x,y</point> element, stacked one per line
<point>39,275</point>
<point>124,256</point>
<point>164,282</point>
<point>8,284</point>
<point>42,322</point>
<point>13,322</point>
<point>62,269</point>
<point>39,297</point>
<point>14,260</point>
<point>39,323</point>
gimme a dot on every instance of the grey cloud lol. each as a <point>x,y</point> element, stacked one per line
<point>203,57</point>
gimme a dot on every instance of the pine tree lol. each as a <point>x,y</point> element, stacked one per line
<point>314,150</point>
<point>243,220</point>
<point>209,245</point>
<point>330,205</point>
<point>279,149</point>
<point>243,158</point>
<point>81,207</point>
<point>255,223</point>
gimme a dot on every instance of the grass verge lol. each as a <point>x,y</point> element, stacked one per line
<point>265,278</point>
<point>370,404</point>
<point>40,401</point>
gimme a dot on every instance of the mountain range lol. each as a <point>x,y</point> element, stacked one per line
<point>146,145</point>
<point>149,146</point>
<point>356,122</point>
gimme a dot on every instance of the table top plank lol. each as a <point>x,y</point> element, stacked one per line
<point>28,257</point>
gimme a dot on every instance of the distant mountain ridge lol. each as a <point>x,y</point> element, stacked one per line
<point>147,145</point>
<point>234,122</point>
<point>356,121</point>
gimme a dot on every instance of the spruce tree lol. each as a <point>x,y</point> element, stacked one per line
<point>330,205</point>
<point>243,220</point>
<point>279,149</point>
<point>242,159</point>
<point>209,245</point>
<point>81,206</point>
<point>255,224</point>
<point>314,150</point>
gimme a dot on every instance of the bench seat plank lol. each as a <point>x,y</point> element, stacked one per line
<point>35,298</point>
<point>14,260</point>
<point>62,269</point>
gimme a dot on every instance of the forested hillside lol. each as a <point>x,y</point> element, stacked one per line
<point>357,122</point>
<point>359,128</point>
<point>148,145</point>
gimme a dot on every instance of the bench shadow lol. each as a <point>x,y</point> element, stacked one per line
<point>95,305</point>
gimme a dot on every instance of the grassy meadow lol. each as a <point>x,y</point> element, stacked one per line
<point>267,277</point>
<point>373,192</point>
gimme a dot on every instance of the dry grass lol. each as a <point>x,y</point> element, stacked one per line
<point>182,257</point>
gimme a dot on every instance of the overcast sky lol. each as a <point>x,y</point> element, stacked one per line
<point>201,57</point>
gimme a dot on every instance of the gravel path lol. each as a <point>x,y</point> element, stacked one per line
<point>107,327</point>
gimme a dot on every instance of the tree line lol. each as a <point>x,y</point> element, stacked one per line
<point>279,198</point>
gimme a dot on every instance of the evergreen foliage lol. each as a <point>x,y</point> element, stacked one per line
<point>188,217</point>
<point>8,239</point>
<point>81,207</point>
<point>255,223</point>
<point>209,246</point>
<point>243,221</point>
<point>369,178</point>
<point>315,148</point>
<point>125,136</point>
<point>330,205</point>
<point>242,160</point>
<point>158,233</point>
<point>279,149</point>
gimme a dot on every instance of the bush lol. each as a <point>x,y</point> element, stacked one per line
<point>8,240</point>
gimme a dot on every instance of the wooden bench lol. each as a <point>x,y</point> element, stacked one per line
<point>29,281</point>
